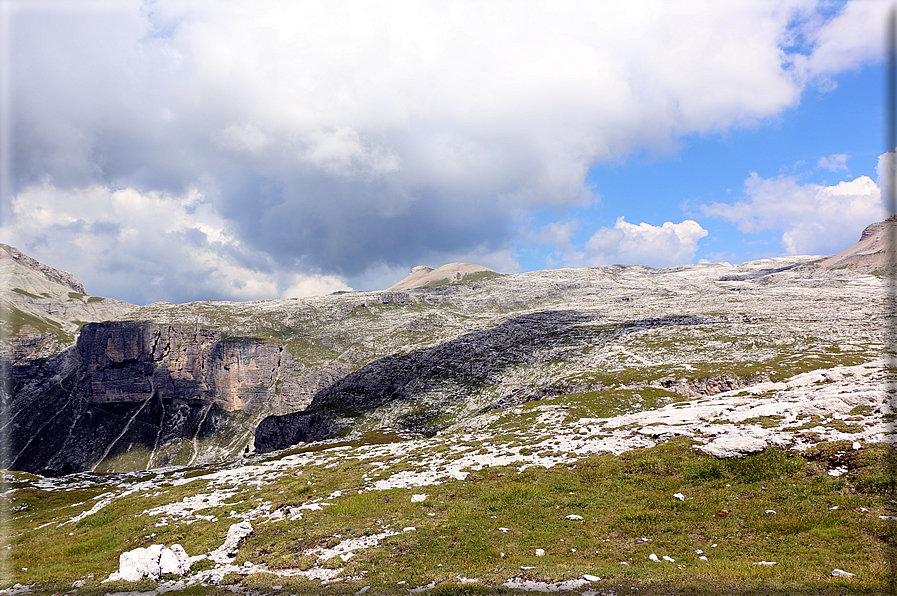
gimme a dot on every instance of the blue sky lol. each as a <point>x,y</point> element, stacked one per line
<point>182,150</point>
<point>655,188</point>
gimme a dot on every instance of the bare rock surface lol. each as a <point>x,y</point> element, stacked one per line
<point>167,384</point>
<point>734,445</point>
<point>227,551</point>
<point>423,276</point>
<point>872,252</point>
<point>43,307</point>
<point>151,562</point>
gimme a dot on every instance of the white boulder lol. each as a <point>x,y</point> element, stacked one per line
<point>735,445</point>
<point>227,551</point>
<point>151,562</point>
<point>174,560</point>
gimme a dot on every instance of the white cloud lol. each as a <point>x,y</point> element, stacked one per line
<point>814,219</point>
<point>657,246</point>
<point>886,173</point>
<point>834,162</point>
<point>853,37</point>
<point>147,247</point>
<point>354,135</point>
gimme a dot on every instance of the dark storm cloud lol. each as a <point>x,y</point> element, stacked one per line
<point>280,143</point>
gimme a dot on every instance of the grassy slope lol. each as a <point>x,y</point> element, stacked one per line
<point>626,502</point>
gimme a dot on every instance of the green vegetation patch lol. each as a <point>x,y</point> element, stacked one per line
<point>590,516</point>
<point>24,293</point>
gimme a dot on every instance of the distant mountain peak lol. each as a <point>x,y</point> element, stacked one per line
<point>54,275</point>
<point>423,276</point>
<point>871,253</point>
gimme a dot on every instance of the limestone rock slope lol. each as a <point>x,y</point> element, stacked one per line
<point>423,276</point>
<point>872,252</point>
<point>43,307</point>
<point>167,384</point>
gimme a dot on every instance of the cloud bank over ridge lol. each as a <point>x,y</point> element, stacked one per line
<point>293,147</point>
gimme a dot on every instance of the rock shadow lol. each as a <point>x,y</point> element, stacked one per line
<point>469,361</point>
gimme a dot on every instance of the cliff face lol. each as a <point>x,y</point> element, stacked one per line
<point>178,384</point>
<point>134,395</point>
<point>130,362</point>
<point>873,252</point>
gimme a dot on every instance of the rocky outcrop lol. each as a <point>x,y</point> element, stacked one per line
<point>157,394</point>
<point>277,432</point>
<point>152,562</point>
<point>130,362</point>
<point>423,276</point>
<point>874,251</point>
<point>63,278</point>
<point>426,383</point>
<point>42,308</point>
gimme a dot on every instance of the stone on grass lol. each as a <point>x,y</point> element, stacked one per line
<point>654,558</point>
<point>679,496</point>
<point>227,551</point>
<point>540,552</point>
<point>591,578</point>
<point>669,558</point>
<point>734,445</point>
<point>841,573</point>
<point>574,517</point>
<point>174,560</point>
<point>418,498</point>
<point>151,562</point>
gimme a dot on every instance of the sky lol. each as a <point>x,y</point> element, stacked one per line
<point>180,150</point>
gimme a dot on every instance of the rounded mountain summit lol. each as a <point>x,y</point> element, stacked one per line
<point>426,277</point>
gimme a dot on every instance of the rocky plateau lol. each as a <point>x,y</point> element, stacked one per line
<point>179,384</point>
<point>191,407</point>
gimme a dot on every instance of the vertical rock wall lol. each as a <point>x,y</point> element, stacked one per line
<point>130,362</point>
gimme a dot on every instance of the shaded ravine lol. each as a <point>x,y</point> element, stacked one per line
<point>469,361</point>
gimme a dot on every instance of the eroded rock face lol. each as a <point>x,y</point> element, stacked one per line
<point>130,362</point>
<point>277,432</point>
<point>153,394</point>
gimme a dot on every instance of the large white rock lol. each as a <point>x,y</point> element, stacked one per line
<point>227,551</point>
<point>174,560</point>
<point>136,564</point>
<point>735,445</point>
<point>151,562</point>
<point>153,552</point>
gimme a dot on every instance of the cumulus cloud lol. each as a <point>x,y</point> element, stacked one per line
<point>814,219</point>
<point>147,247</point>
<point>834,162</point>
<point>351,137</point>
<point>854,36</point>
<point>646,244</point>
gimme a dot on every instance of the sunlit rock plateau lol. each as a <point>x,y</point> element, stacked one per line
<point>265,444</point>
<point>178,384</point>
